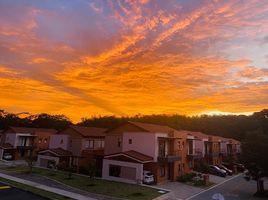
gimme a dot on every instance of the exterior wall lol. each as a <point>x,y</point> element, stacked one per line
<point>59,141</point>
<point>42,140</point>
<point>11,138</point>
<point>111,144</point>
<point>45,157</point>
<point>125,165</point>
<point>142,142</point>
<point>75,146</point>
<point>75,141</point>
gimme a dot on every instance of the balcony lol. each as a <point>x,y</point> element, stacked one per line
<point>21,148</point>
<point>212,154</point>
<point>170,157</point>
<point>195,154</point>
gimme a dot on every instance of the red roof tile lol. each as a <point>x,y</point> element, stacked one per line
<point>89,131</point>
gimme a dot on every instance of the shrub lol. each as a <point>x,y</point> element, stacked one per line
<point>199,183</point>
<point>201,167</point>
<point>186,177</point>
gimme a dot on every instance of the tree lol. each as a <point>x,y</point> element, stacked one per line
<point>254,156</point>
<point>30,162</point>
<point>92,168</point>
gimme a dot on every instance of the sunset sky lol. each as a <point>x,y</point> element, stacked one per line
<point>82,58</point>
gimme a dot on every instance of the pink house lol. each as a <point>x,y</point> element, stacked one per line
<point>75,146</point>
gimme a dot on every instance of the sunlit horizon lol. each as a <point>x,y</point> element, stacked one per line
<point>95,58</point>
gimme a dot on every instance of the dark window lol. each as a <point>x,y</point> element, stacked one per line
<point>61,141</point>
<point>119,142</point>
<point>114,170</point>
<point>179,167</point>
<point>130,141</point>
<point>162,171</point>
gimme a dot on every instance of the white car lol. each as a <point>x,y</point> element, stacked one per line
<point>148,177</point>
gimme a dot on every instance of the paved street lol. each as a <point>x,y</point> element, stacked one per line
<point>10,193</point>
<point>235,189</point>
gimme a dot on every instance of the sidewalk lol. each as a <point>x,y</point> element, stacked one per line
<point>47,188</point>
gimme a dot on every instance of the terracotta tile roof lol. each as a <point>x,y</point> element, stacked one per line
<point>138,156</point>
<point>198,135</point>
<point>6,146</point>
<point>57,152</point>
<point>89,131</point>
<point>153,128</point>
<point>31,130</point>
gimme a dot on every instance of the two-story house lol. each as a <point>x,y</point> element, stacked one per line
<point>134,147</point>
<point>23,141</point>
<point>74,146</point>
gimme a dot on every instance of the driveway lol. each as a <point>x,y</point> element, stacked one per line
<point>184,191</point>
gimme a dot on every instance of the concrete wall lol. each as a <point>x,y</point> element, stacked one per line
<point>59,141</point>
<point>137,166</point>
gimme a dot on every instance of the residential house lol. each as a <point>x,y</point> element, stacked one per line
<point>23,141</point>
<point>134,147</point>
<point>75,146</point>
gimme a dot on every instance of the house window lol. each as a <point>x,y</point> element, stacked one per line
<point>61,142</point>
<point>183,166</point>
<point>40,140</point>
<point>190,164</point>
<point>90,144</point>
<point>98,144</point>
<point>130,141</point>
<point>162,171</point>
<point>114,170</point>
<point>119,142</point>
<point>179,167</point>
<point>45,140</point>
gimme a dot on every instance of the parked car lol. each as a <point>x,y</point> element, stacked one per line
<point>240,167</point>
<point>148,177</point>
<point>7,156</point>
<point>217,171</point>
<point>228,171</point>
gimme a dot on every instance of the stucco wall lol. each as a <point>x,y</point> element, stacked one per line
<point>111,144</point>
<point>59,141</point>
<point>142,142</point>
<point>11,139</point>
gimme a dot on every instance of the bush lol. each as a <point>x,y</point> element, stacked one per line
<point>186,177</point>
<point>201,167</point>
<point>199,183</point>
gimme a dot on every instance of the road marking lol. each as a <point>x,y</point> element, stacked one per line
<point>4,187</point>
<point>213,187</point>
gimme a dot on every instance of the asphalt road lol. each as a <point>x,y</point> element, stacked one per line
<point>235,189</point>
<point>10,193</point>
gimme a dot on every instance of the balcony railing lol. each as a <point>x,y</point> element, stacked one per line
<point>31,147</point>
<point>169,157</point>
<point>195,154</point>
<point>212,154</point>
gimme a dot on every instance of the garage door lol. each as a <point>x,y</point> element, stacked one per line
<point>128,173</point>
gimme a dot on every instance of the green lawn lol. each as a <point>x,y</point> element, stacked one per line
<point>42,193</point>
<point>109,188</point>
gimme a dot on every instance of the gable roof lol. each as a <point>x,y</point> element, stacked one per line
<point>198,135</point>
<point>153,128</point>
<point>57,152</point>
<point>89,131</point>
<point>137,156</point>
<point>31,130</point>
